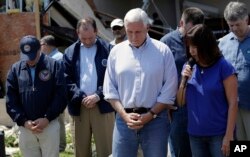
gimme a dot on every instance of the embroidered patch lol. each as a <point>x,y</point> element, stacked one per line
<point>44,75</point>
<point>26,48</point>
<point>104,62</point>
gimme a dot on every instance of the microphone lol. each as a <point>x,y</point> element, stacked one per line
<point>184,79</point>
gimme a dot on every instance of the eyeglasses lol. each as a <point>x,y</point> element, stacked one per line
<point>115,28</point>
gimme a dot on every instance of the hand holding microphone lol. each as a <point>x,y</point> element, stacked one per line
<point>187,72</point>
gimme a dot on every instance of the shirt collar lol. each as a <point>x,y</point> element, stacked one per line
<point>82,45</point>
<point>53,52</point>
<point>234,37</point>
<point>179,33</point>
<point>145,43</point>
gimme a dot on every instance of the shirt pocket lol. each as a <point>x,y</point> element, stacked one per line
<point>24,84</point>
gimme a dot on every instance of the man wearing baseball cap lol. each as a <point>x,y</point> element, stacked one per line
<point>118,30</point>
<point>36,95</point>
<point>30,47</point>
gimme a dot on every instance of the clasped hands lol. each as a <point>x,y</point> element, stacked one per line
<point>137,121</point>
<point>90,101</point>
<point>37,125</point>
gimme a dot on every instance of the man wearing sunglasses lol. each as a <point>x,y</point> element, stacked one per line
<point>118,30</point>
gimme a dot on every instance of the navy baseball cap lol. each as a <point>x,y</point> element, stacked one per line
<point>29,46</point>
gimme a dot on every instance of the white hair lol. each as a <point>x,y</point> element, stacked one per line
<point>235,11</point>
<point>136,15</point>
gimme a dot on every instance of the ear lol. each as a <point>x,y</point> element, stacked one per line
<point>181,23</point>
<point>247,20</point>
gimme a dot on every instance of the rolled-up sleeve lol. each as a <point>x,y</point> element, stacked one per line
<point>168,92</point>
<point>110,87</point>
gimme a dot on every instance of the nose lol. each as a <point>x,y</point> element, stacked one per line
<point>190,50</point>
<point>234,28</point>
<point>87,42</point>
<point>133,36</point>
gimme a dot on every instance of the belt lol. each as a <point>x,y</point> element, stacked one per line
<point>139,110</point>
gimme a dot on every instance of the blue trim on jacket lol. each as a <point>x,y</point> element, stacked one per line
<point>71,60</point>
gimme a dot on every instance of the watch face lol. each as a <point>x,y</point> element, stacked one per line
<point>153,114</point>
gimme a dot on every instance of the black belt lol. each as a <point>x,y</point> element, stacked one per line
<point>139,110</point>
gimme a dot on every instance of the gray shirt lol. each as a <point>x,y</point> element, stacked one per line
<point>238,54</point>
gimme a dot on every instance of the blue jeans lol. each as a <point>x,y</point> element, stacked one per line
<point>178,136</point>
<point>206,146</point>
<point>152,138</point>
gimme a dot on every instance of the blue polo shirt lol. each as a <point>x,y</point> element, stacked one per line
<point>238,54</point>
<point>176,44</point>
<point>206,100</point>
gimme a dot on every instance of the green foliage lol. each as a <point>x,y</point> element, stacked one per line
<point>69,151</point>
<point>68,137</point>
<point>67,154</point>
<point>11,141</point>
<point>18,154</point>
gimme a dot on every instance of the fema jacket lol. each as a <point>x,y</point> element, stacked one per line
<point>46,97</point>
<point>71,60</point>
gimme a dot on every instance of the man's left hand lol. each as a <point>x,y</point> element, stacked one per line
<point>141,121</point>
<point>90,101</point>
<point>39,124</point>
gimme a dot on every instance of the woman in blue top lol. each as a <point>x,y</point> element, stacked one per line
<point>210,94</point>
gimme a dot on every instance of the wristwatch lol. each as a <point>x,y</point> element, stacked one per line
<point>153,114</point>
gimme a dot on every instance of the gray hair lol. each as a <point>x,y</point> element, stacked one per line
<point>136,15</point>
<point>235,11</point>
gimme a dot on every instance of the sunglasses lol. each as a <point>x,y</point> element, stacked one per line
<point>115,28</point>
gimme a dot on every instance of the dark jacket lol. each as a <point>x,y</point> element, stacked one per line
<point>2,92</point>
<point>71,62</point>
<point>46,97</point>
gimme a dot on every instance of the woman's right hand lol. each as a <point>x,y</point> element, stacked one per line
<point>187,71</point>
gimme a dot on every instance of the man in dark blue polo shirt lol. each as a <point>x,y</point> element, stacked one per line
<point>178,137</point>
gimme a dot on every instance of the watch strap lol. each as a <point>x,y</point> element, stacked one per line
<point>153,114</point>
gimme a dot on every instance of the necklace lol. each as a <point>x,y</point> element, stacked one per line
<point>202,71</point>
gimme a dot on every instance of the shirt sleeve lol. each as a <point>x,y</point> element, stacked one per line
<point>13,104</point>
<point>169,89</point>
<point>110,87</point>
<point>75,95</point>
<point>227,69</point>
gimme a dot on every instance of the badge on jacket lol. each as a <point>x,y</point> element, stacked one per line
<point>44,75</point>
<point>104,62</point>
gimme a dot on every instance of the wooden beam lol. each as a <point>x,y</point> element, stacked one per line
<point>37,19</point>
